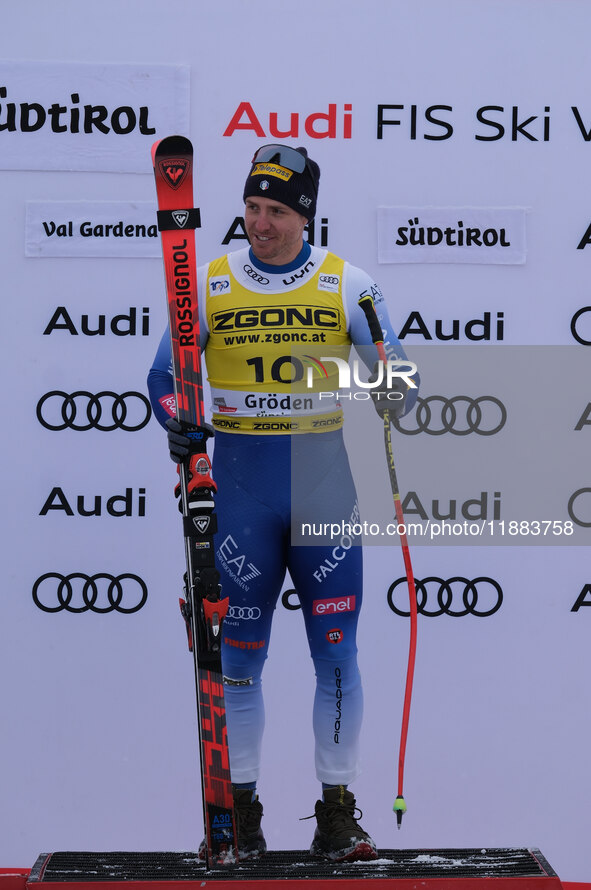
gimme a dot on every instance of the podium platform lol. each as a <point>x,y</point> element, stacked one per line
<point>470,869</point>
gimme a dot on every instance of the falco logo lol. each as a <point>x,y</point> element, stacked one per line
<point>174,171</point>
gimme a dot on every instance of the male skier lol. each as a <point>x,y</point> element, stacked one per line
<point>279,459</point>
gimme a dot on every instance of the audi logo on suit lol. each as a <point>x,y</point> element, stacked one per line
<point>82,410</point>
<point>245,613</point>
<point>260,279</point>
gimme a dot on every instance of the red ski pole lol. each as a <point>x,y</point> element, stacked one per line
<point>399,807</point>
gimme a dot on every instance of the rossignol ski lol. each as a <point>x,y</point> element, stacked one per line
<point>202,607</point>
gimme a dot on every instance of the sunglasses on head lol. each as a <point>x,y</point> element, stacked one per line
<point>281,154</point>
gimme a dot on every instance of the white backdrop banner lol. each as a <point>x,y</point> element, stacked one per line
<point>451,235</point>
<point>102,228</point>
<point>99,739</point>
<point>82,116</point>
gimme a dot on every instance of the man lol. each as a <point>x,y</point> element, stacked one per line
<point>262,305</point>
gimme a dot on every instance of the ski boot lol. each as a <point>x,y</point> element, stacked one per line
<point>338,836</point>
<point>250,838</point>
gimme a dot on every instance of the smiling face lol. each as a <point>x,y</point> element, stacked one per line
<point>275,231</point>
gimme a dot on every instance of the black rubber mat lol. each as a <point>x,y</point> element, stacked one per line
<point>293,864</point>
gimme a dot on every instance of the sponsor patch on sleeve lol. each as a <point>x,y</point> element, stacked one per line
<point>219,285</point>
<point>329,282</point>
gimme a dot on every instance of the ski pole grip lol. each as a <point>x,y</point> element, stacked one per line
<point>375,328</point>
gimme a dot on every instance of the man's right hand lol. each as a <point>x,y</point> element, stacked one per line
<point>185,439</point>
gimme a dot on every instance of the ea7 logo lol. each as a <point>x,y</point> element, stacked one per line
<point>234,561</point>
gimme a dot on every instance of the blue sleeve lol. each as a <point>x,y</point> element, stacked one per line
<point>161,382</point>
<point>160,376</point>
<point>359,284</point>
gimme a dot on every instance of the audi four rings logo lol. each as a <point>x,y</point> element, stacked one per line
<point>573,326</point>
<point>260,279</point>
<point>456,597</point>
<point>247,613</point>
<point>329,279</point>
<point>100,593</point>
<point>585,523</point>
<point>286,600</point>
<point>104,410</point>
<point>485,416</point>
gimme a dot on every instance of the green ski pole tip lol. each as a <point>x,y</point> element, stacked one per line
<point>400,809</point>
